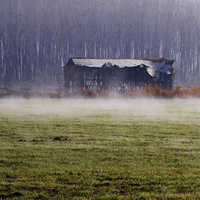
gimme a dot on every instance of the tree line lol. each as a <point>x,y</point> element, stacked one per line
<point>37,37</point>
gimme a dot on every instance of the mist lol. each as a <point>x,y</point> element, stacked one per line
<point>141,109</point>
<point>38,37</point>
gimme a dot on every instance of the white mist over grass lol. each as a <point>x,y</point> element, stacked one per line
<point>177,110</point>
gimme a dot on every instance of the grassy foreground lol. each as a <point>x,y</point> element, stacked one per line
<point>97,156</point>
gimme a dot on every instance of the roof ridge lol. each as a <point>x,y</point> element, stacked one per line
<point>159,59</point>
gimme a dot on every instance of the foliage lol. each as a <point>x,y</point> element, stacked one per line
<point>147,91</point>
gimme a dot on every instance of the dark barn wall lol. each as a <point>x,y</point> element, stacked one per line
<point>112,79</point>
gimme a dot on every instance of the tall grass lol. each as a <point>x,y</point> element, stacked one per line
<point>149,91</point>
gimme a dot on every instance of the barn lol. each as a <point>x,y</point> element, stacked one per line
<point>117,74</point>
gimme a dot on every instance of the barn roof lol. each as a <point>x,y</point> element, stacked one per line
<point>152,65</point>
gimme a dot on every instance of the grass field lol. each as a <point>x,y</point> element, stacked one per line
<point>100,149</point>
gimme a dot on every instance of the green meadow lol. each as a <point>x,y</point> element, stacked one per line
<point>99,149</point>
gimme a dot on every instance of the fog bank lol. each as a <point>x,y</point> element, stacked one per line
<point>180,110</point>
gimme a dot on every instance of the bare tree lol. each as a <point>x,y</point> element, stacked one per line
<point>37,37</point>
